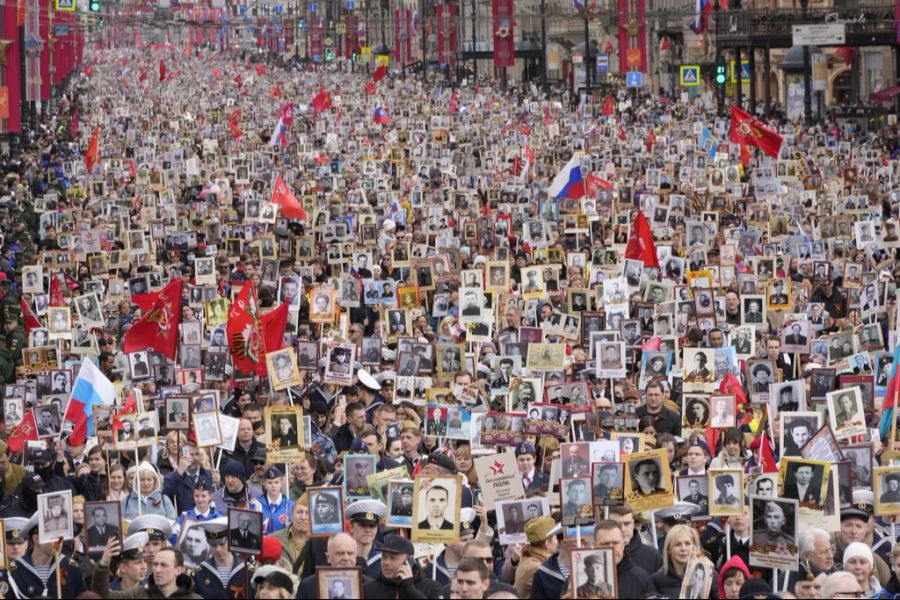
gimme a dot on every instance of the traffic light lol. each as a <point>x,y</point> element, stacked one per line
<point>329,55</point>
<point>301,23</point>
<point>95,6</point>
<point>720,74</point>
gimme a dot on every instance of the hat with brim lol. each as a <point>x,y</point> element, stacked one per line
<point>274,576</point>
<point>216,531</point>
<point>541,528</point>
<point>395,544</point>
<point>366,379</point>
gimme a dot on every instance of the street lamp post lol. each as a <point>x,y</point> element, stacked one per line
<point>807,79</point>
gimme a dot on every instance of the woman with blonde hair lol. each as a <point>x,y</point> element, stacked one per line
<point>274,583</point>
<point>168,457</point>
<point>117,486</point>
<point>681,545</point>
<point>146,498</point>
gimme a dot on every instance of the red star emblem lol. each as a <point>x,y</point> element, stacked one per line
<point>497,468</point>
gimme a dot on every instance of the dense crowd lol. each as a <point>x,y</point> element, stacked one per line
<point>319,333</point>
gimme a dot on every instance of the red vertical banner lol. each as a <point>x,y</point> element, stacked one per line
<point>897,21</point>
<point>446,33</point>
<point>402,37</point>
<point>44,17</point>
<point>351,36</point>
<point>504,38</point>
<point>11,72</point>
<point>632,36</point>
<point>315,40</point>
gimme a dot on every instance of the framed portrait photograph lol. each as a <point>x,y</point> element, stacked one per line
<point>575,500</point>
<point>178,412</point>
<point>245,531</point>
<point>357,468</point>
<point>206,428</point>
<point>593,573</point>
<point>698,579</point>
<point>822,382</point>
<point>47,418</point>
<point>192,543</point>
<point>512,515</point>
<point>795,337</point>
<point>339,367</point>
<point>339,583</point>
<point>760,375</point>
<point>139,364</point>
<point>861,458</point>
<point>55,516</point>
<point>437,504</point>
<point>326,515</point>
<point>137,430</point>
<point>610,360</point>
<point>788,396</point>
<point>887,490</point>
<point>648,482</point>
<point>322,305</point>
<point>727,489</point>
<point>400,503</point>
<point>753,310</point>
<point>608,483</point>
<point>804,480</point>
<point>797,428</point>
<point>723,412</point>
<point>308,356</point>
<point>846,414</point>
<point>102,522</point>
<point>694,489</point>
<point>13,411</point>
<point>696,412</point>
<point>774,532</point>
<point>282,368</point>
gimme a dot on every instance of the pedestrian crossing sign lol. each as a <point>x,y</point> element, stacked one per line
<point>690,75</point>
<point>745,70</point>
<point>65,5</point>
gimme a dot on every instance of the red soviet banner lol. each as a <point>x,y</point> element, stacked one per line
<point>402,38</point>
<point>632,36</point>
<point>351,39</point>
<point>446,33</point>
<point>316,51</point>
<point>504,41</point>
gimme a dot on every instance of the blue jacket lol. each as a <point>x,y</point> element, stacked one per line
<point>154,504</point>
<point>275,516</point>
<point>438,570</point>
<point>208,584</point>
<point>180,488</point>
<point>549,581</point>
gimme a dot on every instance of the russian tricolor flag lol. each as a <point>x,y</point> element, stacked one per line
<point>91,387</point>
<point>279,136</point>
<point>569,182</point>
<point>381,115</point>
<point>703,8</point>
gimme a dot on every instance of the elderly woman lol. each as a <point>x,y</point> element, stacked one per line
<point>146,498</point>
<point>681,545</point>
<point>859,561</point>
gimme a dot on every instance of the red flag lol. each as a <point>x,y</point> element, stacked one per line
<point>379,73</point>
<point>651,139</point>
<point>142,76</point>
<point>158,329</point>
<point>238,81</point>
<point>622,136</point>
<point>31,321</point>
<point>132,169</point>
<point>524,129</point>
<point>731,386</point>
<point>260,69</point>
<point>608,48</point>
<point>273,326</point>
<point>548,120</point>
<point>370,88</point>
<point>26,430</point>
<point>93,150</point>
<point>595,183</point>
<point>640,244</point>
<point>56,295</point>
<point>235,117</point>
<point>322,101</point>
<point>609,107</point>
<point>162,70</point>
<point>712,439</point>
<point>745,155</point>
<point>73,126</point>
<point>287,114</point>
<point>454,101</point>
<point>766,458</point>
<point>128,408</point>
<point>747,129</point>
<point>245,336</point>
<point>284,197</point>
<point>275,92</point>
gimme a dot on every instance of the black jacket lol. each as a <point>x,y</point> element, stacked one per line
<point>669,584</point>
<point>644,556</point>
<point>416,587</point>
<point>343,438</point>
<point>635,582</point>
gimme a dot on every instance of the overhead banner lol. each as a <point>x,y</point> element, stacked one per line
<point>402,38</point>
<point>446,33</point>
<point>315,39</point>
<point>504,40</point>
<point>632,36</point>
<point>351,37</point>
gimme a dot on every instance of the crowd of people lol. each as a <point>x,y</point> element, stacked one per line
<point>319,333</point>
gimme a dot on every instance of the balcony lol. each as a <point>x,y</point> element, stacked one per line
<point>869,23</point>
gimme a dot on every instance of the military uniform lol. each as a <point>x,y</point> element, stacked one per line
<point>766,539</point>
<point>208,584</point>
<point>24,582</point>
<point>589,590</point>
